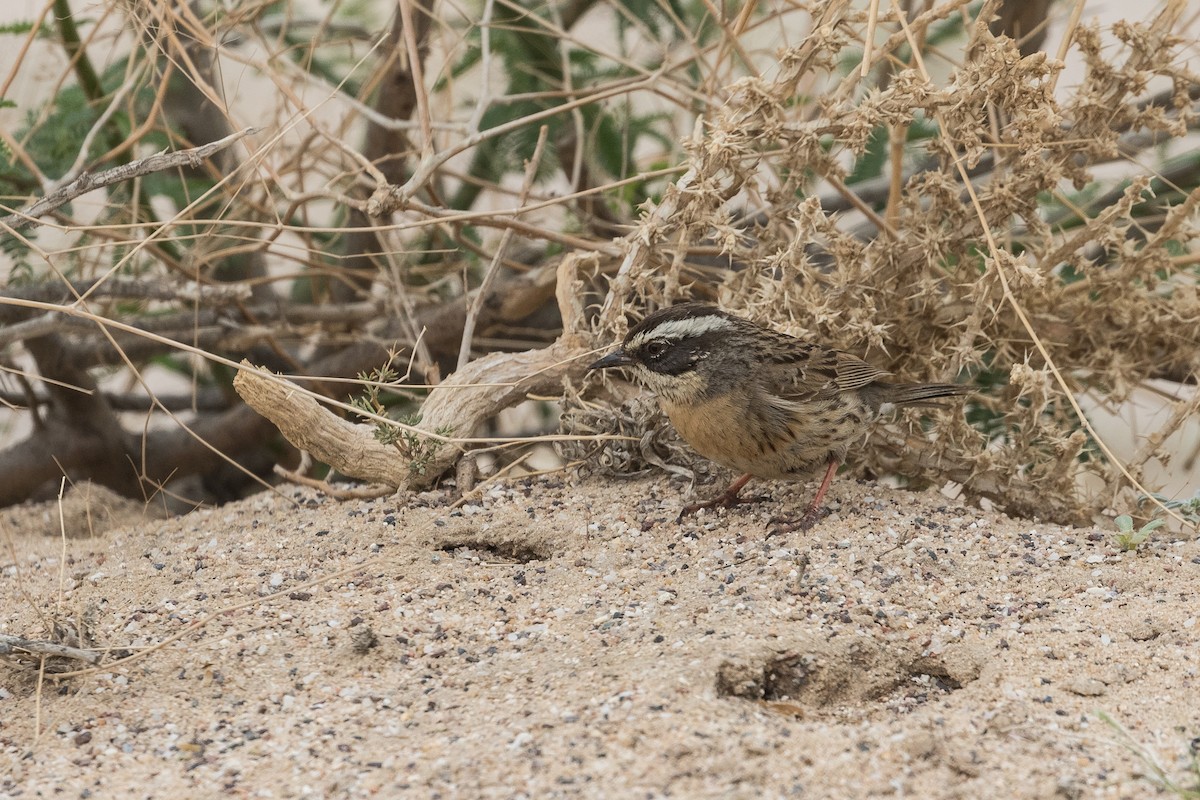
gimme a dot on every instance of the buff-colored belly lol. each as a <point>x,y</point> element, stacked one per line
<point>764,442</point>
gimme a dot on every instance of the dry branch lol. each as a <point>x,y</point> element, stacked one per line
<point>18,647</point>
<point>349,448</point>
<point>388,149</point>
<point>453,411</point>
<point>138,464</point>
<point>86,182</point>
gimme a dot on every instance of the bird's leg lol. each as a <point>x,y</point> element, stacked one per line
<point>729,497</point>
<point>814,508</point>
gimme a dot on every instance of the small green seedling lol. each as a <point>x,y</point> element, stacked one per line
<point>1128,538</point>
<point>418,449</point>
<point>370,402</point>
<point>1189,509</point>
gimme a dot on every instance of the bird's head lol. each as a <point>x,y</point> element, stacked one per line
<point>684,353</point>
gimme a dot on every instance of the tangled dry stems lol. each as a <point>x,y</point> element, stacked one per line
<point>923,295</point>
<point>1036,280</point>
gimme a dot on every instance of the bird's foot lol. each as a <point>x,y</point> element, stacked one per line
<point>725,500</point>
<point>781,525</point>
<point>813,513</point>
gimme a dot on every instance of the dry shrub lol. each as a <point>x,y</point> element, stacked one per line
<point>1017,284</point>
<point>981,224</point>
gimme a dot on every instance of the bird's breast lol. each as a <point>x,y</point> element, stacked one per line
<point>766,440</point>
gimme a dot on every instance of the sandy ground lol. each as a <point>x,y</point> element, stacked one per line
<point>568,639</point>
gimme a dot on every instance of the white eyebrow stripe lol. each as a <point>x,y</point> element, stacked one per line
<point>682,329</point>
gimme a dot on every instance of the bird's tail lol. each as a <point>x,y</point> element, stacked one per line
<point>916,394</point>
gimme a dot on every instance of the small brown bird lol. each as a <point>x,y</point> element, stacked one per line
<point>758,401</point>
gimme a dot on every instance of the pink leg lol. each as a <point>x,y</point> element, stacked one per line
<point>814,508</point>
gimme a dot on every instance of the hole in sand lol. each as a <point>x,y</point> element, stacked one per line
<point>487,549</point>
<point>845,679</point>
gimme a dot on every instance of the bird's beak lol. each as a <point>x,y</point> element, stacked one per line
<point>617,358</point>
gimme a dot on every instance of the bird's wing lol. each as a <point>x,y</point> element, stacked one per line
<point>854,373</point>
<point>807,371</point>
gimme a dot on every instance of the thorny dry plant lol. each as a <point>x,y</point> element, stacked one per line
<point>934,201</point>
<point>1109,291</point>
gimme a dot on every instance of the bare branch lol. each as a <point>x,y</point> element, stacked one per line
<point>489,277</point>
<point>19,647</point>
<point>86,182</point>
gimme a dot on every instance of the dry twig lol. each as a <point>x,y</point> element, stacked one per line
<point>86,182</point>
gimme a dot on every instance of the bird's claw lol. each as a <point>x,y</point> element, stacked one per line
<point>720,502</point>
<point>781,525</point>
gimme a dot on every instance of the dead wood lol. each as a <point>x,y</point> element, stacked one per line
<point>454,410</point>
<point>71,442</point>
<point>86,182</point>
<point>34,650</point>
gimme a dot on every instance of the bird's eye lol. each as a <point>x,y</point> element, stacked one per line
<point>655,349</point>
